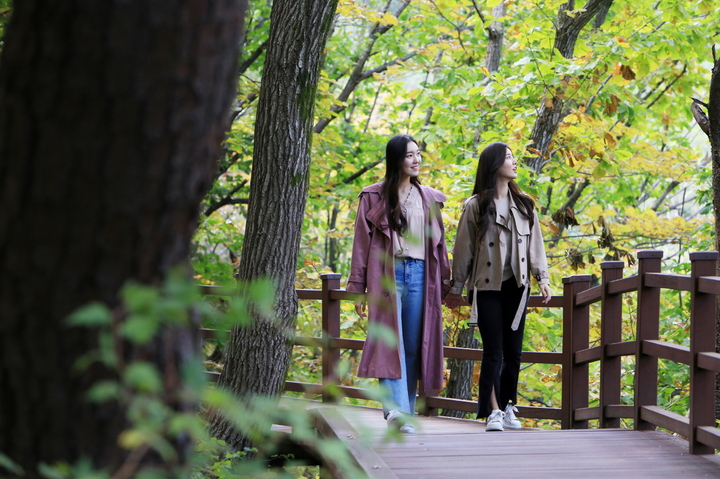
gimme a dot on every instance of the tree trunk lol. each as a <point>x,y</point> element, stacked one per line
<point>112,116</point>
<point>714,117</point>
<point>496,36</point>
<point>258,356</point>
<point>460,383</point>
<point>552,108</point>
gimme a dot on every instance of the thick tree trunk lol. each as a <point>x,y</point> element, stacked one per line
<point>714,117</point>
<point>553,109</point>
<point>258,356</point>
<point>112,116</point>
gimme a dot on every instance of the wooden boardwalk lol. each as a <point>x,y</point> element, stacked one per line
<point>457,448</point>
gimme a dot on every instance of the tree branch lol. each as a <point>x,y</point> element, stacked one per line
<point>227,200</point>
<point>251,59</point>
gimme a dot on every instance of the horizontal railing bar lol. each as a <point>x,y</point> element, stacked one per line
<point>710,361</point>
<point>347,343</point>
<point>710,436</point>
<point>213,376</point>
<point>300,387</point>
<point>540,357</point>
<point>680,282</point>
<point>341,294</point>
<point>462,353</point>
<point>586,413</point>
<point>533,412</point>
<point>465,405</point>
<point>624,285</point>
<point>588,296</point>
<point>669,351</point>
<point>625,348</point>
<point>586,356</point>
<point>623,411</point>
<point>666,419</point>
<point>451,403</point>
<point>710,285</point>
<point>555,302</point>
<point>309,293</point>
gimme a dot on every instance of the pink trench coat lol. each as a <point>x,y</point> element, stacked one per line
<point>373,268</point>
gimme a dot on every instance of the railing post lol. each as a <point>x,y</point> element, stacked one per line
<point>330,330</point>
<point>610,332</point>
<point>702,339</point>
<point>648,324</point>
<point>576,336</point>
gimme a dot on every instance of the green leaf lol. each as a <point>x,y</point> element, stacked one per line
<point>10,465</point>
<point>94,314</point>
<point>104,391</point>
<point>144,377</point>
<point>139,328</point>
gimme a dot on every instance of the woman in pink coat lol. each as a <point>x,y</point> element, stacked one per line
<point>400,259</point>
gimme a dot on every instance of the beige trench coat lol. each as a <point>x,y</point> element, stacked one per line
<point>478,265</point>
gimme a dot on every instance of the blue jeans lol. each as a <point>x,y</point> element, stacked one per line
<point>410,282</point>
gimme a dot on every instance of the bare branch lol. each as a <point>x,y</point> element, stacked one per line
<point>227,200</point>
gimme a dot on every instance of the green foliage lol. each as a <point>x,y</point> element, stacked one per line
<point>155,423</point>
<point>627,140</point>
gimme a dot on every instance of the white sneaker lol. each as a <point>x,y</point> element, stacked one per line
<point>394,419</point>
<point>509,419</point>
<point>495,421</point>
<point>407,428</point>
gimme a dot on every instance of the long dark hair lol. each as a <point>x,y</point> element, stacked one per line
<point>491,159</point>
<point>395,152</point>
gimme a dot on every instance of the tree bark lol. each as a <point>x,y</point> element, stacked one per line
<point>258,356</point>
<point>496,36</point>
<point>460,384</point>
<point>552,108</point>
<point>112,116</point>
<point>714,117</point>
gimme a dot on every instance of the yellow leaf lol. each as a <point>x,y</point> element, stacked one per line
<point>389,19</point>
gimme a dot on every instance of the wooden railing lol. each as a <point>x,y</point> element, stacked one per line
<point>577,354</point>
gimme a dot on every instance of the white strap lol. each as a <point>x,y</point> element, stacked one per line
<point>521,309</point>
<point>473,310</point>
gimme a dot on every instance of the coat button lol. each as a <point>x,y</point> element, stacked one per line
<point>492,244</point>
<point>386,293</point>
<point>523,276</point>
<point>489,264</point>
<point>523,260</point>
<point>519,240</point>
<point>487,280</point>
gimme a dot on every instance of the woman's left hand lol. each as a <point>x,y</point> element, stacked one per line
<point>546,294</point>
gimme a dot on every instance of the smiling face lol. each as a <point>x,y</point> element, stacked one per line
<point>411,164</point>
<point>508,171</point>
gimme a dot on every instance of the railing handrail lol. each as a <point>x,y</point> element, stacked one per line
<point>577,354</point>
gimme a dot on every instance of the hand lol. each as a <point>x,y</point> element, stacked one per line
<point>361,306</point>
<point>453,300</point>
<point>545,291</point>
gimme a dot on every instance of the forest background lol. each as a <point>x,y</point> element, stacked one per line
<point>594,98</point>
<point>601,123</point>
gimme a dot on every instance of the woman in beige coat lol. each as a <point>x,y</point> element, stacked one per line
<point>497,247</point>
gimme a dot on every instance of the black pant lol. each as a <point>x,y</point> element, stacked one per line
<point>502,347</point>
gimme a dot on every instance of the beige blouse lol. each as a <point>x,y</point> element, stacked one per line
<point>502,206</point>
<point>412,243</point>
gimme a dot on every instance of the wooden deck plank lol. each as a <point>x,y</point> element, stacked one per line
<point>451,448</point>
